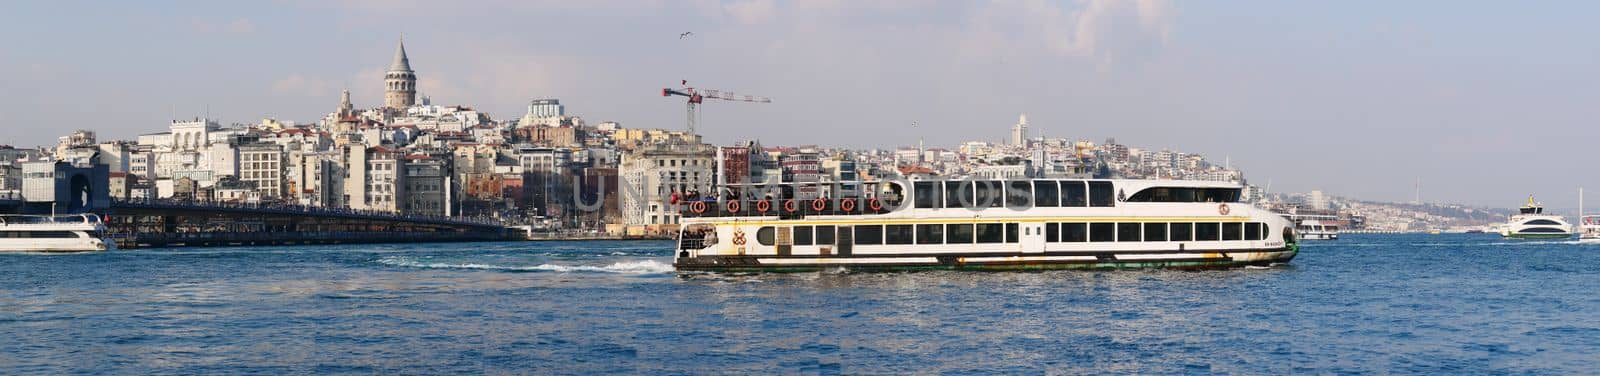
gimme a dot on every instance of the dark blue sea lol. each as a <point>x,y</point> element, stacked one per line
<point>1434,304</point>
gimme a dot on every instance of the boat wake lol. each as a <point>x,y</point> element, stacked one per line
<point>624,267</point>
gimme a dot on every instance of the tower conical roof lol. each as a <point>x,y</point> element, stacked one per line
<point>400,61</point>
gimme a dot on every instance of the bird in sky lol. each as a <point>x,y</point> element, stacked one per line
<point>685,34</point>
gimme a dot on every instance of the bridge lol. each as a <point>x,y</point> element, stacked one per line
<point>137,223</point>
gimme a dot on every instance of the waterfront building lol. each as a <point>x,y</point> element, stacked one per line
<point>1019,132</point>
<point>649,176</point>
<point>261,165</point>
<point>428,186</point>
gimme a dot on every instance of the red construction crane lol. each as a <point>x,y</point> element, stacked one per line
<point>698,96</point>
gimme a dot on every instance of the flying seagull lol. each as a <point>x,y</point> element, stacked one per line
<point>685,34</point>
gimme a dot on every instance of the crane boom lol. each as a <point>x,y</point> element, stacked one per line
<point>698,96</point>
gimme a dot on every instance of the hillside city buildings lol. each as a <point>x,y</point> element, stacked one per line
<point>546,167</point>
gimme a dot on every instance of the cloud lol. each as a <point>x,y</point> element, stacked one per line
<point>1101,31</point>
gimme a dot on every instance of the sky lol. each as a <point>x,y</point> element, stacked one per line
<point>1483,102</point>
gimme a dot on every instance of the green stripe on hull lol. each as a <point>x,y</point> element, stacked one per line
<point>1538,236</point>
<point>1289,254</point>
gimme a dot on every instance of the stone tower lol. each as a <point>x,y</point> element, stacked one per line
<point>400,84</point>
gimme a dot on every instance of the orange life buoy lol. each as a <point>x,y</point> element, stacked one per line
<point>875,205</point>
<point>699,207</point>
<point>847,205</point>
<point>790,206</point>
<point>733,206</point>
<point>819,204</point>
<point>763,206</point>
<point>1222,209</point>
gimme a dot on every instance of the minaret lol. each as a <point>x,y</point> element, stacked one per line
<point>345,107</point>
<point>400,84</point>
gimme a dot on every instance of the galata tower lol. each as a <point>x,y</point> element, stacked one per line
<point>400,84</point>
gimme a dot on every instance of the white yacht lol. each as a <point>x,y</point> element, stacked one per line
<point>1531,222</point>
<point>1589,229</point>
<point>982,224</point>
<point>40,233</point>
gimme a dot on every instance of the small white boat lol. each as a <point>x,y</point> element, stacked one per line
<point>1588,225</point>
<point>45,233</point>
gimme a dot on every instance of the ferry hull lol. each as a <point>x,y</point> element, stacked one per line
<point>992,261</point>
<point>1538,236</point>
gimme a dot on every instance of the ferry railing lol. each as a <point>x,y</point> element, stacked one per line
<point>780,208</point>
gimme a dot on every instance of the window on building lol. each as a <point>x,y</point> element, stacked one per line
<point>1155,232</point>
<point>990,233</point>
<point>1102,232</point>
<point>1207,231</point>
<point>1046,193</point>
<point>1232,231</point>
<point>930,234</point>
<point>1073,194</point>
<point>898,234</point>
<point>802,235</point>
<point>1129,232</point>
<point>926,194</point>
<point>1102,194</point>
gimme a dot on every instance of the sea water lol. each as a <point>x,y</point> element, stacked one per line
<point>1438,304</point>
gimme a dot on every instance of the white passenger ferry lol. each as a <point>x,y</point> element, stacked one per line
<point>985,225</point>
<point>1316,226</point>
<point>1531,222</point>
<point>39,233</point>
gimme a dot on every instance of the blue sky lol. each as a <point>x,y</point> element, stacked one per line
<point>1485,102</point>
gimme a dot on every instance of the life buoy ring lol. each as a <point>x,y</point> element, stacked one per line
<point>847,205</point>
<point>1223,209</point>
<point>790,206</point>
<point>698,207</point>
<point>733,206</point>
<point>738,237</point>
<point>875,205</point>
<point>763,206</point>
<point>819,204</point>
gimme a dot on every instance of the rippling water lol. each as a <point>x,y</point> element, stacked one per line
<point>1448,304</point>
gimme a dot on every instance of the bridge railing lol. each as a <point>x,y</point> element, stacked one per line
<point>305,210</point>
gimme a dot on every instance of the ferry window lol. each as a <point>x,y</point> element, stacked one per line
<point>1206,231</point>
<point>927,194</point>
<point>824,235</point>
<point>897,234</point>
<point>958,234</point>
<point>765,236</point>
<point>1052,232</point>
<point>1011,233</point>
<point>1540,222</point>
<point>802,235</point>
<point>1019,194</point>
<point>1155,232</point>
<point>988,194</point>
<point>1542,229</point>
<point>1074,232</point>
<point>930,234</point>
<point>990,233</point>
<point>1252,231</point>
<point>1181,232</point>
<point>1128,232</point>
<point>44,234</point>
<point>954,192</point>
<point>1046,193</point>
<point>1101,194</point>
<point>1232,231</point>
<point>869,235</point>
<point>1103,232</point>
<point>1073,194</point>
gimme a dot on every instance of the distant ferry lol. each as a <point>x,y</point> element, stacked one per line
<point>1316,226</point>
<point>1531,223</point>
<point>984,225</point>
<point>37,233</point>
